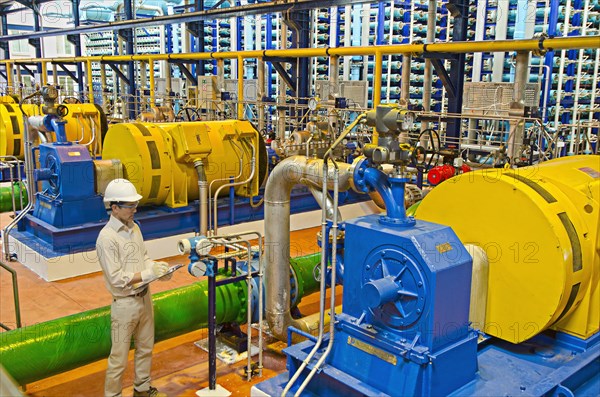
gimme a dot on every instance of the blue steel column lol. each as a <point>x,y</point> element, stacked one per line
<point>549,57</point>
<point>269,46</point>
<point>128,36</point>
<point>571,69</point>
<point>4,22</point>
<point>76,41</point>
<point>36,42</point>
<point>301,39</point>
<point>459,9</point>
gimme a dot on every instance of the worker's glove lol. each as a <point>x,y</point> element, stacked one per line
<point>157,270</point>
<point>160,269</point>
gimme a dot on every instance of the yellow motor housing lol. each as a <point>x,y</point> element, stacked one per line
<point>12,127</point>
<point>86,124</point>
<point>159,158</point>
<point>539,228</point>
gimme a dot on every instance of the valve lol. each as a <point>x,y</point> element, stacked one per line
<point>439,174</point>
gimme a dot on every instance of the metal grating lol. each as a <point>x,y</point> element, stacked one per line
<point>493,99</point>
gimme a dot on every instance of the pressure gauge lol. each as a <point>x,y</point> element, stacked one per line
<point>184,246</point>
<point>408,122</point>
<point>312,104</point>
<point>203,246</point>
<point>49,93</point>
<point>197,269</point>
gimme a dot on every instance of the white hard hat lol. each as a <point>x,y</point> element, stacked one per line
<point>121,190</point>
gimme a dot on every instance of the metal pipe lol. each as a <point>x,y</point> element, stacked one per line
<point>557,43</point>
<point>249,179</point>
<point>284,176</point>
<point>575,117</point>
<point>152,87</point>
<point>203,191</point>
<point>90,81</point>
<point>45,349</point>
<point>241,165</point>
<point>427,72</point>
<point>334,230</point>
<point>515,140</point>
<point>322,289</point>
<point>9,77</point>
<point>323,199</point>
<point>15,286</point>
<point>240,87</point>
<point>405,82</point>
<point>260,65</point>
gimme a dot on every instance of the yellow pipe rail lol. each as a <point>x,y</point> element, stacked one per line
<point>377,74</point>
<point>9,76</point>
<point>152,92</point>
<point>240,87</point>
<point>90,82</point>
<point>559,43</point>
<point>44,73</point>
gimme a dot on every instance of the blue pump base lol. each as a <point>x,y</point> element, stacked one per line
<point>550,364</point>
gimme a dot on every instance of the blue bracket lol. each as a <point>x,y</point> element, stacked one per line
<point>24,66</point>
<point>67,71</point>
<point>276,62</point>
<point>416,353</point>
<point>443,75</point>
<point>113,66</point>
<point>188,74</point>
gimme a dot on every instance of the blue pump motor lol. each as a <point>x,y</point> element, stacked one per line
<point>68,196</point>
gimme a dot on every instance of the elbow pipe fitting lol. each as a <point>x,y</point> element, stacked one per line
<point>366,179</point>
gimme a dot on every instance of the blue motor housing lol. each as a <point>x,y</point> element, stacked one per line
<point>68,196</point>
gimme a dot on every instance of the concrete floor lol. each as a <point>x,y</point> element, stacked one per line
<point>179,367</point>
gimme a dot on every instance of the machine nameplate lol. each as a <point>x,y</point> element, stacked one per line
<point>385,356</point>
<point>591,172</point>
<point>445,247</point>
<point>74,154</point>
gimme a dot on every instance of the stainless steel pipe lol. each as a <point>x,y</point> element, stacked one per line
<point>288,173</point>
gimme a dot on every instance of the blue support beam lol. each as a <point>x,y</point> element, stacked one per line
<point>459,9</point>
<point>127,35</point>
<point>4,30</point>
<point>549,57</point>
<point>75,39</point>
<point>75,77</point>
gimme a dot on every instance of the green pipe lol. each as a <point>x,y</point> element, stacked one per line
<point>413,209</point>
<point>45,349</point>
<point>6,195</point>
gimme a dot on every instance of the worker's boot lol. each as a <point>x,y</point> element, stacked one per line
<point>151,392</point>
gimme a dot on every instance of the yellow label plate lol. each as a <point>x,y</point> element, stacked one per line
<point>372,350</point>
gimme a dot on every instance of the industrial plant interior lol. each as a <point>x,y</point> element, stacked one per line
<point>353,198</point>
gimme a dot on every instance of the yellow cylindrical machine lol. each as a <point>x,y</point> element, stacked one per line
<point>159,158</point>
<point>539,228</point>
<point>86,124</point>
<point>12,127</point>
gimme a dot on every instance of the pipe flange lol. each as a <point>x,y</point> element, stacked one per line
<point>357,170</point>
<point>541,49</point>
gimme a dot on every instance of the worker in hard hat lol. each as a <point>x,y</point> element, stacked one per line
<point>125,263</point>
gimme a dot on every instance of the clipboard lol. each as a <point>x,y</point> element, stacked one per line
<point>139,286</point>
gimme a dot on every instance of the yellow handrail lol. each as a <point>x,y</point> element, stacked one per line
<point>558,43</point>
